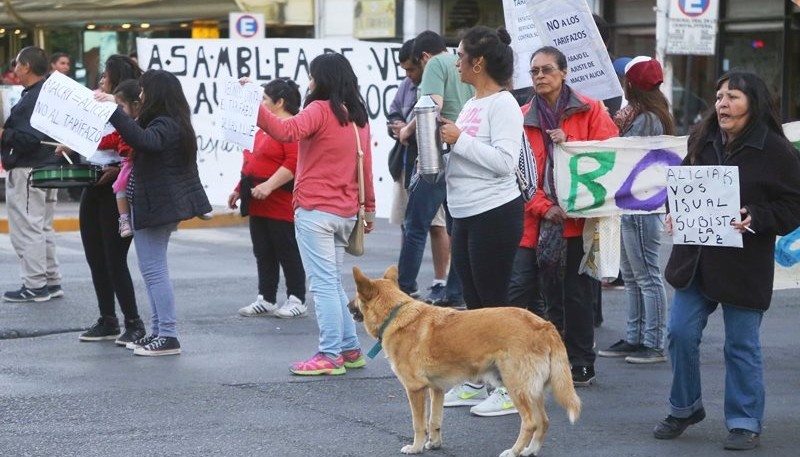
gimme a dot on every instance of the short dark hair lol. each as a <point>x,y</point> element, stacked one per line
<point>561,59</point>
<point>602,27</point>
<point>494,47</point>
<point>57,55</point>
<point>128,91</point>
<point>284,89</point>
<point>36,58</point>
<point>406,51</point>
<point>430,42</point>
<point>761,107</point>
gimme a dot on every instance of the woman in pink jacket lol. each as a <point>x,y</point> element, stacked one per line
<point>326,200</point>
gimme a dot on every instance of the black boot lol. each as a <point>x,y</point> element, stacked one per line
<point>134,329</point>
<point>106,328</point>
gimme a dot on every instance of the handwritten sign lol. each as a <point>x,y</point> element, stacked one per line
<point>67,112</point>
<point>203,66</point>
<point>569,26</point>
<point>615,176</point>
<point>238,108</point>
<point>704,204</point>
<point>524,39</point>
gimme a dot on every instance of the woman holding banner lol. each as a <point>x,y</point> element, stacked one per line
<point>743,131</point>
<point>646,114</point>
<point>107,252</point>
<point>331,129</point>
<point>556,114</point>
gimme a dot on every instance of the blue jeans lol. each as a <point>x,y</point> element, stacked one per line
<point>322,238</point>
<point>644,288</point>
<point>744,367</point>
<point>151,249</point>
<point>424,200</point>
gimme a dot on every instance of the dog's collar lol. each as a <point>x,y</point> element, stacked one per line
<point>378,346</point>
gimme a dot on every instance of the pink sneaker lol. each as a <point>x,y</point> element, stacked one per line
<point>354,358</point>
<point>320,364</point>
<point>125,229</point>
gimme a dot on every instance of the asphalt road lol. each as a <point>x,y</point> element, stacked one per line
<point>230,394</point>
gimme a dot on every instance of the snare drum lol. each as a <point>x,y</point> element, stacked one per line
<point>63,176</point>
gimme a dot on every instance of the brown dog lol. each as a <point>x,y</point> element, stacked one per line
<point>432,349</point>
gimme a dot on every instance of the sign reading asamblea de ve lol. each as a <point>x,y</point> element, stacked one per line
<point>704,205</point>
<point>67,112</point>
<point>206,67</point>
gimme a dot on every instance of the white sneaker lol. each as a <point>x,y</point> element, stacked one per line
<point>465,395</point>
<point>292,307</point>
<point>260,307</point>
<point>498,404</point>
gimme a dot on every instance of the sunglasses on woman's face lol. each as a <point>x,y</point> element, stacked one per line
<point>545,70</point>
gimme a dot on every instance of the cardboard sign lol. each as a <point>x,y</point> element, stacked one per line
<point>238,108</point>
<point>67,112</point>
<point>524,39</point>
<point>704,205</point>
<point>569,26</point>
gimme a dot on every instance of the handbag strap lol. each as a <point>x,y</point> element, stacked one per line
<point>360,170</point>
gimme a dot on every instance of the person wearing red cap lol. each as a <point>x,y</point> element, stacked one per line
<point>647,114</point>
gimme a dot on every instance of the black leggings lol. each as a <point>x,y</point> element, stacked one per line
<point>107,252</point>
<point>483,248</point>
<point>275,246</point>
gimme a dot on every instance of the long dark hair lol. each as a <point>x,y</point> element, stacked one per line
<point>651,101</point>
<point>163,96</point>
<point>284,89</point>
<point>334,80</point>
<point>119,68</point>
<point>494,47</point>
<point>760,106</point>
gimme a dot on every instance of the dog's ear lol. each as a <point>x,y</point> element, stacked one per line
<point>363,283</point>
<point>391,274</point>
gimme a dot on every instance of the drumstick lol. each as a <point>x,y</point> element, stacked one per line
<point>63,153</point>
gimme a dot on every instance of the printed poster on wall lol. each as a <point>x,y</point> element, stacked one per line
<point>692,27</point>
<point>569,26</point>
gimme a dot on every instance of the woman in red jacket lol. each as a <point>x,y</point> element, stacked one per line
<point>265,191</point>
<point>554,115</point>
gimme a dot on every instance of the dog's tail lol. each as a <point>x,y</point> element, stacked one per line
<point>561,379</point>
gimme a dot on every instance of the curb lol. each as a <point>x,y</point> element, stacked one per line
<point>71,224</point>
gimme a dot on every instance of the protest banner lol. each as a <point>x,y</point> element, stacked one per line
<point>569,26</point>
<point>615,176</point>
<point>67,112</point>
<point>203,67</point>
<point>524,39</point>
<point>787,248</point>
<point>238,108</point>
<point>704,205</point>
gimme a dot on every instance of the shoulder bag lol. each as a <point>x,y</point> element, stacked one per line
<point>526,170</point>
<point>355,244</point>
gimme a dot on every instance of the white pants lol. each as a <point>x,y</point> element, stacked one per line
<point>30,228</point>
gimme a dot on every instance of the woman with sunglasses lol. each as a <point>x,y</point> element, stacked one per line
<point>556,114</point>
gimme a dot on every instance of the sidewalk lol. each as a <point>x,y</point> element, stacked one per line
<point>66,219</point>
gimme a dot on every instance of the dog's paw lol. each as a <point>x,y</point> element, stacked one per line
<point>411,449</point>
<point>508,453</point>
<point>433,444</point>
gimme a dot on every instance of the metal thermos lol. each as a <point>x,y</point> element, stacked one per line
<point>429,142</point>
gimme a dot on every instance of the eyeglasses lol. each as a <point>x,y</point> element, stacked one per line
<point>546,70</point>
